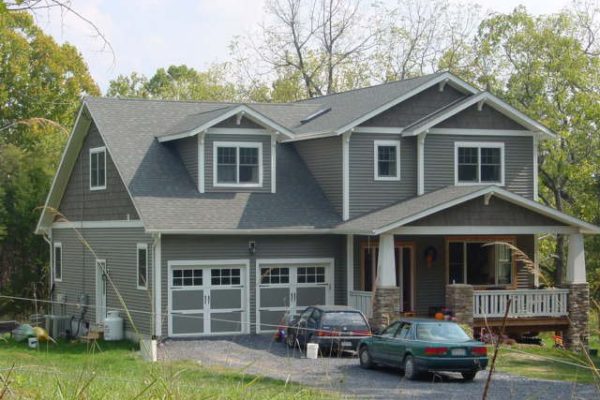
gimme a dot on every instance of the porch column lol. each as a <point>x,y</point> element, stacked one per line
<point>578,303</point>
<point>386,297</point>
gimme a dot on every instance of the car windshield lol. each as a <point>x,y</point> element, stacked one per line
<point>344,318</point>
<point>441,332</point>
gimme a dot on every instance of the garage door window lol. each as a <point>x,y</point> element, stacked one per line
<point>187,277</point>
<point>225,276</point>
<point>275,276</point>
<point>311,275</point>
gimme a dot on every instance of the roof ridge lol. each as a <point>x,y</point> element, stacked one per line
<point>225,103</point>
<point>373,86</point>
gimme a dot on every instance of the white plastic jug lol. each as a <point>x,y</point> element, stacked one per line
<point>312,351</point>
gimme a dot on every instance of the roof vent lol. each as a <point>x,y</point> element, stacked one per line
<point>315,115</point>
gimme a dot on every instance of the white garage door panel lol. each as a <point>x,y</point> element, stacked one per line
<point>208,297</point>
<point>288,286</point>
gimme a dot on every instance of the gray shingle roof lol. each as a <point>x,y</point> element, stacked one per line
<point>375,220</point>
<point>167,198</point>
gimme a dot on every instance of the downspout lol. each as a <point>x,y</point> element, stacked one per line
<point>48,239</point>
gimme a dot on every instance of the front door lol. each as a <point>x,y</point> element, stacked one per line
<point>288,287</point>
<point>101,278</point>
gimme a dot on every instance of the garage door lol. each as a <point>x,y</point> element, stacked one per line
<point>288,286</point>
<point>208,297</point>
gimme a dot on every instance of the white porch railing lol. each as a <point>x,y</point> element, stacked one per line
<point>525,303</point>
<point>362,301</point>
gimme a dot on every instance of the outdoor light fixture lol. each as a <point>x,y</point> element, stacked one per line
<point>252,247</point>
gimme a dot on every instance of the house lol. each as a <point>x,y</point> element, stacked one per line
<point>216,218</point>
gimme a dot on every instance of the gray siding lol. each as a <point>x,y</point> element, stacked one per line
<point>324,160</point>
<point>187,150</point>
<point>518,158</point>
<point>118,246</point>
<point>416,107</point>
<point>430,281</point>
<point>79,203</point>
<point>476,213</point>
<point>244,123</point>
<point>236,247</point>
<point>266,161</point>
<point>367,194</point>
<point>487,118</point>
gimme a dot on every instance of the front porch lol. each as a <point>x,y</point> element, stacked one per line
<point>469,254</point>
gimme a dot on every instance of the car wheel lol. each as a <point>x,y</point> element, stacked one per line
<point>290,340</point>
<point>410,369</point>
<point>469,376</point>
<point>364,357</point>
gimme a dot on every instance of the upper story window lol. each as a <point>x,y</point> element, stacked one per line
<point>477,163</point>
<point>98,168</point>
<point>57,261</point>
<point>387,160</point>
<point>237,164</point>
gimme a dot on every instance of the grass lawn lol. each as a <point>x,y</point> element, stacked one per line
<point>545,362</point>
<point>113,370</point>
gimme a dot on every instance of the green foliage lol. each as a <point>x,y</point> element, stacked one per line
<point>178,82</point>
<point>41,84</point>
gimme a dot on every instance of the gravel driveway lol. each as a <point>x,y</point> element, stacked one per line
<point>259,355</point>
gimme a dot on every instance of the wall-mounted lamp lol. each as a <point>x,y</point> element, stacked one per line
<point>252,247</point>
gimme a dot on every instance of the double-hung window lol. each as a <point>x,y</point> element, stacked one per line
<point>98,168</point>
<point>480,264</point>
<point>479,163</point>
<point>237,164</point>
<point>142,266</point>
<point>387,160</point>
<point>58,261</point>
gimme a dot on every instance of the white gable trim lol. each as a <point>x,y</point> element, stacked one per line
<point>492,101</point>
<point>445,77</point>
<point>247,112</point>
<point>584,227</point>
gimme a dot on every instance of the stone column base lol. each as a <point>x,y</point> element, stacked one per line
<point>459,299</point>
<point>578,307</point>
<point>386,306</point>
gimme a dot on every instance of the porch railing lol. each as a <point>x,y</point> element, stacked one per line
<point>525,303</point>
<point>362,301</point>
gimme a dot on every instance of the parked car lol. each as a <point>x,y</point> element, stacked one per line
<point>335,328</point>
<point>420,345</point>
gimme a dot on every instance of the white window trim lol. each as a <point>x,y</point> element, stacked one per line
<point>479,146</point>
<point>96,150</point>
<point>57,245</point>
<point>141,246</point>
<point>392,143</point>
<point>237,145</point>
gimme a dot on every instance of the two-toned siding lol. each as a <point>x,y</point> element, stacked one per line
<point>486,118</point>
<point>416,107</point>
<point>187,150</point>
<point>118,246</point>
<point>175,247</point>
<point>264,140</point>
<point>79,203</point>
<point>323,157</point>
<point>366,193</point>
<point>518,161</point>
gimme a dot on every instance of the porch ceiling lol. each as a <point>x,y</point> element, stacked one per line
<point>396,218</point>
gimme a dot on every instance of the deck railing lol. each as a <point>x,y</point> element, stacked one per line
<point>362,301</point>
<point>525,303</point>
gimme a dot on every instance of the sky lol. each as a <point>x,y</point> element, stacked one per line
<point>149,34</point>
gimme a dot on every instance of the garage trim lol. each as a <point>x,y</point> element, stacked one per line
<point>245,274</point>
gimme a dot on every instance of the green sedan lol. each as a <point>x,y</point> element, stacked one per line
<point>420,345</point>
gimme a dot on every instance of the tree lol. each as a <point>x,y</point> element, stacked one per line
<point>177,82</point>
<point>41,84</point>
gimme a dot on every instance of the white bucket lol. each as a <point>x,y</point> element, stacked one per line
<point>312,351</point>
<point>32,342</point>
<point>149,350</point>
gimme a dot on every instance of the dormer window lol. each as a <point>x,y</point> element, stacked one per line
<point>237,164</point>
<point>479,163</point>
<point>98,168</point>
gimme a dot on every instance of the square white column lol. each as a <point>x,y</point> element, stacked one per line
<point>576,259</point>
<point>386,262</point>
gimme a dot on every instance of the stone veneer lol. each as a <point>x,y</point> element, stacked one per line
<point>459,299</point>
<point>386,306</point>
<point>578,306</point>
